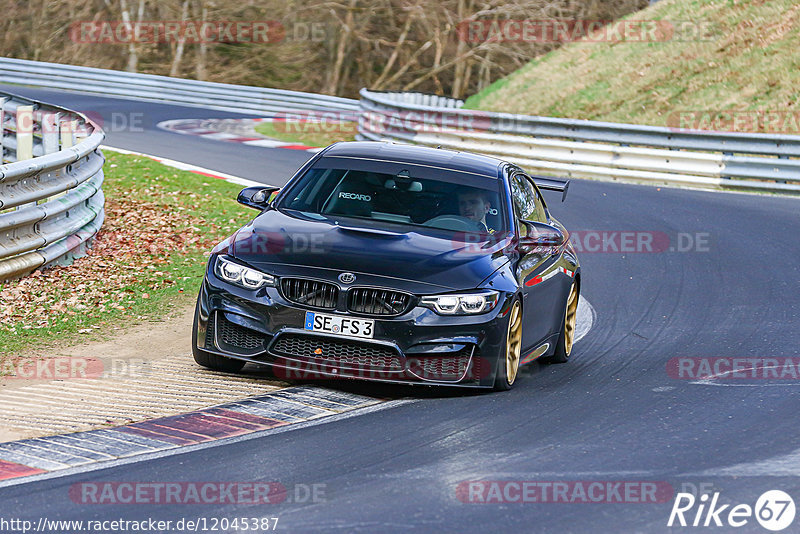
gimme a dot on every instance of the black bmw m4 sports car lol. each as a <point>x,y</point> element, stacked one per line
<point>394,263</point>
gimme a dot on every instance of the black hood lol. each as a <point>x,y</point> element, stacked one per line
<point>415,259</point>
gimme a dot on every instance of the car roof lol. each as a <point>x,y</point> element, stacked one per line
<point>417,155</point>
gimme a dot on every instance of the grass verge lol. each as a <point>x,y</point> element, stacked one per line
<point>148,258</point>
<point>308,133</point>
<point>732,55</point>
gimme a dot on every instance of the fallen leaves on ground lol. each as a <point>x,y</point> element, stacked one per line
<point>131,255</point>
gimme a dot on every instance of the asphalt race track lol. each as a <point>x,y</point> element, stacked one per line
<point>613,413</point>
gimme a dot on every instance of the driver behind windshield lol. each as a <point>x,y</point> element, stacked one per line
<point>455,203</point>
<point>474,205</point>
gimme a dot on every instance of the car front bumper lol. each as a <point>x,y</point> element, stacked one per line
<point>417,347</point>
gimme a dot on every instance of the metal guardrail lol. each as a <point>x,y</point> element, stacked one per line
<point>51,197</point>
<point>588,149</point>
<point>149,87</point>
<point>576,148</point>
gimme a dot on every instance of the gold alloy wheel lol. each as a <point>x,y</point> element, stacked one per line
<point>570,319</point>
<point>513,342</point>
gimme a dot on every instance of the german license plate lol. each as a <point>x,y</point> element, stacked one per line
<point>343,326</point>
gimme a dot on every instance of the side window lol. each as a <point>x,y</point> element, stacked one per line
<point>541,213</point>
<point>526,203</point>
<point>312,190</point>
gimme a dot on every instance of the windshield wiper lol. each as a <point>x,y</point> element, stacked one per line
<point>371,231</point>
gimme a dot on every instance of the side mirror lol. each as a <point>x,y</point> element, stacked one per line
<point>258,197</point>
<point>540,238</point>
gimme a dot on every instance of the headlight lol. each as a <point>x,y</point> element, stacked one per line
<point>462,303</point>
<point>242,276</point>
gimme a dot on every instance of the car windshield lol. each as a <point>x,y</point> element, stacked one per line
<point>465,205</point>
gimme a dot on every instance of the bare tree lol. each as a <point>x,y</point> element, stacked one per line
<point>178,56</point>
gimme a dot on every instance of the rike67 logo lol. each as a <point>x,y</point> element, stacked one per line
<point>774,510</point>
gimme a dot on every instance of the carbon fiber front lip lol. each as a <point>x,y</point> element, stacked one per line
<point>266,359</point>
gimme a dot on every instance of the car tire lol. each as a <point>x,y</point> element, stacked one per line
<point>567,337</point>
<point>508,360</point>
<point>208,360</point>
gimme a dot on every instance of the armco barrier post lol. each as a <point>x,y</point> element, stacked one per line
<point>49,133</point>
<point>24,132</point>
<point>67,129</point>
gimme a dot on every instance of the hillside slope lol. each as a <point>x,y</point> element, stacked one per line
<point>748,59</point>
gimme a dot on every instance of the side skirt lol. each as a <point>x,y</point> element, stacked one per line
<point>535,353</point>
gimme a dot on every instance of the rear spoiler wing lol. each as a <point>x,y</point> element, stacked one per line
<point>552,184</point>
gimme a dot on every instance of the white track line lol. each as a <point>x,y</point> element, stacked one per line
<point>586,316</point>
